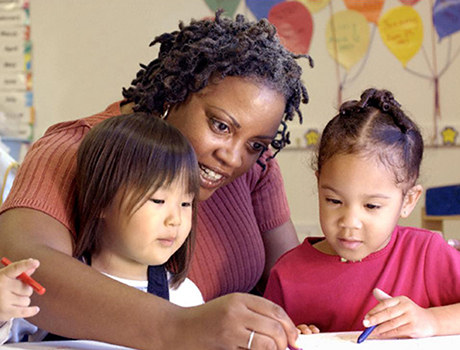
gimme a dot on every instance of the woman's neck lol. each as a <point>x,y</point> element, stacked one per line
<point>127,108</point>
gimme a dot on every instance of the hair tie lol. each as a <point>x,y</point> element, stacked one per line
<point>365,97</point>
<point>385,106</point>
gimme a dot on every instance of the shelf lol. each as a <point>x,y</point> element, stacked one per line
<point>436,222</point>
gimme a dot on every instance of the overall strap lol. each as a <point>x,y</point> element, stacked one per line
<point>158,281</point>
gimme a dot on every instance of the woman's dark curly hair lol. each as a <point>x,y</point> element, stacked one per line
<point>189,58</point>
<point>374,126</point>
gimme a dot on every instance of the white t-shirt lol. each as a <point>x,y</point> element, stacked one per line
<point>186,295</point>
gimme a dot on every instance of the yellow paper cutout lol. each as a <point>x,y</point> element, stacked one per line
<point>401,29</point>
<point>449,136</point>
<point>347,37</point>
<point>312,137</point>
<point>314,5</point>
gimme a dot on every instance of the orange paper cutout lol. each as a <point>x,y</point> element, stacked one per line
<point>370,9</point>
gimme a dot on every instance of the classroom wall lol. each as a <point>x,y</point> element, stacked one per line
<point>85,51</point>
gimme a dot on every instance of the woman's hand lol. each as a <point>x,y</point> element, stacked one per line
<point>400,317</point>
<point>308,329</point>
<point>14,294</point>
<point>228,322</point>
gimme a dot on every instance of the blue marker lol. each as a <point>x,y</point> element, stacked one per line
<point>362,337</point>
<point>380,295</point>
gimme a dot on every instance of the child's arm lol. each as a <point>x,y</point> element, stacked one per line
<point>14,294</point>
<point>400,317</point>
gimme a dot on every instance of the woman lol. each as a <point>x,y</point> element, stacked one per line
<point>228,86</point>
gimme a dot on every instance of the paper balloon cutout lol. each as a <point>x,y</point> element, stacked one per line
<point>347,37</point>
<point>314,5</point>
<point>229,6</point>
<point>446,17</point>
<point>261,8</point>
<point>294,24</point>
<point>409,2</point>
<point>401,30</point>
<point>370,9</point>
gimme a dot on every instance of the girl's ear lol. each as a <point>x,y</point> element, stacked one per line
<point>410,200</point>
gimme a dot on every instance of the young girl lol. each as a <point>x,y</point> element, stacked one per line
<point>137,184</point>
<point>15,300</point>
<point>367,167</point>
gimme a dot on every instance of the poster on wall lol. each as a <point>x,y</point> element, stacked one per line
<point>16,96</point>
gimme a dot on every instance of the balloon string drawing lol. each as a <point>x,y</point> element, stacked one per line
<point>401,29</point>
<point>348,38</point>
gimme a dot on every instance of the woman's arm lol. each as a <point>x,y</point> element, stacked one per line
<point>82,303</point>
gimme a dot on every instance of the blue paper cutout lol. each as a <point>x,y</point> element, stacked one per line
<point>261,8</point>
<point>446,17</point>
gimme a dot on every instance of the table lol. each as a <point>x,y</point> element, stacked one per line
<point>342,341</point>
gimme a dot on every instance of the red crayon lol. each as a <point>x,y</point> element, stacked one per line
<point>27,279</point>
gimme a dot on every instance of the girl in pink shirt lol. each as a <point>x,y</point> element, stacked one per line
<point>367,167</point>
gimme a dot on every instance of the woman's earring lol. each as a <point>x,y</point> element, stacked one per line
<point>165,113</point>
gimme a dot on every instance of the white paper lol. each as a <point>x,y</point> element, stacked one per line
<point>348,340</point>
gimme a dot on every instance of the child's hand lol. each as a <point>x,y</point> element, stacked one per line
<point>304,329</point>
<point>399,317</point>
<point>14,294</point>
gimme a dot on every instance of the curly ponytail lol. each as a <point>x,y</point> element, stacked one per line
<point>375,126</point>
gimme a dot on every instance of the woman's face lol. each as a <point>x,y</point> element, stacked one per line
<point>228,124</point>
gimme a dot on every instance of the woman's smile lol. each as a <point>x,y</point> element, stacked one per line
<point>209,178</point>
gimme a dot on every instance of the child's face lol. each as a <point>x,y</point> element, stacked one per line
<point>150,236</point>
<point>359,204</point>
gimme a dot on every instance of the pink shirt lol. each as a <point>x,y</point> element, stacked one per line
<point>229,255</point>
<point>316,288</point>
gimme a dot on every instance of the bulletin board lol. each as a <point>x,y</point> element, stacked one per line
<point>16,96</point>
